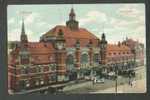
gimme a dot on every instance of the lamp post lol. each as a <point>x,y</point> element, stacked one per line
<point>116,77</point>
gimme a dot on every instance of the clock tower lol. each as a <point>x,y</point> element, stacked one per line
<point>103,49</point>
<point>60,56</point>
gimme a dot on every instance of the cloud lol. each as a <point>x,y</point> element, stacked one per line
<point>134,13</point>
<point>41,24</point>
<point>137,15</point>
<point>97,14</point>
<point>139,34</point>
<point>11,21</point>
<point>14,35</point>
<point>119,23</point>
<point>92,17</point>
<point>140,29</point>
<point>31,18</point>
<point>130,10</point>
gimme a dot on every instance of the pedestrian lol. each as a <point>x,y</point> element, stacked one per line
<point>134,82</point>
<point>131,83</point>
<point>129,80</point>
<point>94,80</point>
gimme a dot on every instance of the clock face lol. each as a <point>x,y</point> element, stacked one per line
<point>59,45</point>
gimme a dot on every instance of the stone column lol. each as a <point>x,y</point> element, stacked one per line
<point>61,66</point>
<point>77,64</point>
<point>91,56</point>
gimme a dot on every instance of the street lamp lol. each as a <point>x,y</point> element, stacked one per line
<point>116,77</point>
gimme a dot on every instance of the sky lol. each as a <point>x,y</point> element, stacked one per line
<point>117,21</point>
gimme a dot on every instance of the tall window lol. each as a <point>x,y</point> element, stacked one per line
<point>84,59</point>
<point>96,58</point>
<point>70,61</point>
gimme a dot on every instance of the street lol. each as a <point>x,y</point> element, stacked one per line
<point>139,85</point>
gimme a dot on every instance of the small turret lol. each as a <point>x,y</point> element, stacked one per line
<point>103,49</point>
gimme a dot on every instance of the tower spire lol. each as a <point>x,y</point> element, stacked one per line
<point>23,34</point>
<point>23,27</point>
<point>72,14</point>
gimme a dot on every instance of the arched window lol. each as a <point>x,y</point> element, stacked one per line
<point>70,60</point>
<point>84,59</point>
<point>96,58</point>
